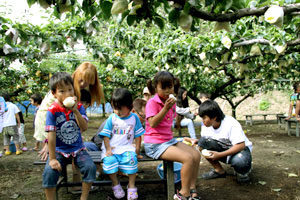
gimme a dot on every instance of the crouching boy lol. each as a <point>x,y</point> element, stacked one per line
<point>225,141</point>
<point>64,126</point>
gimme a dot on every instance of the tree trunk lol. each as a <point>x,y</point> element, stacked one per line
<point>103,108</point>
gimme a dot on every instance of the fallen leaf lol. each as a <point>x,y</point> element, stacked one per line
<point>276,189</point>
<point>297,151</point>
<point>14,196</point>
<point>262,182</point>
<point>292,175</point>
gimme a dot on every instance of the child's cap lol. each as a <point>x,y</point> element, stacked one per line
<point>146,91</point>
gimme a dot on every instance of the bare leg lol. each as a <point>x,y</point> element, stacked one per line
<point>131,183</point>
<point>17,147</point>
<point>217,166</point>
<point>114,179</point>
<point>182,153</point>
<point>86,187</point>
<point>50,193</point>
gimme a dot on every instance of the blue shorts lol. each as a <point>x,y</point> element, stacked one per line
<point>126,162</point>
<point>82,160</point>
<point>155,150</point>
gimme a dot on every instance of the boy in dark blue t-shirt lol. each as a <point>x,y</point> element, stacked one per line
<point>64,123</point>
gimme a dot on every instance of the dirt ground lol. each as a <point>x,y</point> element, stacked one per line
<point>275,175</point>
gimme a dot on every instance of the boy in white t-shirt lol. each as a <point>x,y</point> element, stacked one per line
<point>226,141</point>
<point>11,123</point>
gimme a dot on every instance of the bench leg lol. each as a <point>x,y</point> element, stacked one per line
<point>289,126</point>
<point>265,118</point>
<point>169,172</point>
<point>297,129</point>
<point>248,120</point>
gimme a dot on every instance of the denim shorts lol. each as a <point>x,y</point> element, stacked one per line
<point>126,162</point>
<point>155,150</point>
<point>82,160</point>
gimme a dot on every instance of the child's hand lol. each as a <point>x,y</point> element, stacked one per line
<point>169,103</point>
<point>43,153</point>
<point>214,155</point>
<point>109,152</point>
<point>190,140</point>
<point>54,164</point>
<point>74,108</point>
<point>139,156</point>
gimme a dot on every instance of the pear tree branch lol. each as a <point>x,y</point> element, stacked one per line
<point>233,16</point>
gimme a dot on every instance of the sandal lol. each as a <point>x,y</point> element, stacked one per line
<point>179,196</point>
<point>194,191</point>
<point>118,191</point>
<point>132,194</point>
<point>212,174</point>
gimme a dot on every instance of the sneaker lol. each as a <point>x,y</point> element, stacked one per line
<point>132,194</point>
<point>24,149</point>
<point>18,152</point>
<point>118,191</point>
<point>7,153</point>
<point>242,178</point>
<point>212,174</point>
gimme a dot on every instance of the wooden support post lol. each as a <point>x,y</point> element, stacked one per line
<point>297,128</point>
<point>289,127</point>
<point>169,166</point>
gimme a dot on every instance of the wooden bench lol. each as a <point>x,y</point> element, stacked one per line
<point>281,122</point>
<point>290,128</point>
<point>249,118</point>
<point>168,180</point>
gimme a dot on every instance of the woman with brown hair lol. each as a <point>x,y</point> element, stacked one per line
<point>84,77</point>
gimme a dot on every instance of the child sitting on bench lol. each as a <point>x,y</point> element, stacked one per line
<point>118,153</point>
<point>64,124</point>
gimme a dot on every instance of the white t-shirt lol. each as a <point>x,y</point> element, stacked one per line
<point>121,132</point>
<point>230,131</point>
<point>10,115</point>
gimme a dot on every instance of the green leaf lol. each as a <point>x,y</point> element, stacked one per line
<point>131,19</point>
<point>208,2</point>
<point>106,7</point>
<point>186,8</point>
<point>159,22</point>
<point>31,2</point>
<point>173,16</point>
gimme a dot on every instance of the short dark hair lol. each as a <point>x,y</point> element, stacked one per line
<point>6,96</point>
<point>37,98</point>
<point>138,104</point>
<point>121,97</point>
<point>85,96</point>
<point>211,109</point>
<point>58,79</point>
<point>204,95</point>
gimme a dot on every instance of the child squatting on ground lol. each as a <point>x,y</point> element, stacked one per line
<point>118,153</point>
<point>158,139</point>
<point>225,141</point>
<point>64,124</point>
